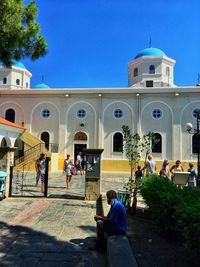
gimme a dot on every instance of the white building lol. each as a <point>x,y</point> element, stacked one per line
<point>93,117</point>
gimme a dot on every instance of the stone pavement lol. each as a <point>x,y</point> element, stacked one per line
<point>54,231</point>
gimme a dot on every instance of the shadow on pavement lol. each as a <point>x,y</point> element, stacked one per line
<point>21,246</point>
<point>67,196</point>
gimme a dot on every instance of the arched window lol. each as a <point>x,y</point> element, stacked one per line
<point>45,139</point>
<point>157,143</point>
<point>195,143</point>
<point>135,73</point>
<point>4,80</point>
<point>152,69</point>
<point>17,81</point>
<point>117,142</point>
<point>10,115</point>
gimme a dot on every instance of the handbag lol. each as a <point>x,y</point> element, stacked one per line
<point>73,170</point>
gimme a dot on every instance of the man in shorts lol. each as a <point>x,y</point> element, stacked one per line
<point>40,166</point>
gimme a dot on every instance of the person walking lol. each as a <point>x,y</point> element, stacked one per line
<point>164,172</point>
<point>192,175</point>
<point>40,167</point>
<point>79,163</point>
<point>67,170</point>
<point>83,163</point>
<point>150,165</point>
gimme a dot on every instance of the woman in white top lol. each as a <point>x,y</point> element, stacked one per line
<point>67,170</point>
<point>150,165</point>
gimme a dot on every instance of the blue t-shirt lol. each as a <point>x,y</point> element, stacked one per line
<point>117,215</point>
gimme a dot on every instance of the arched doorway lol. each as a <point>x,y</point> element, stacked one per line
<point>80,143</point>
<point>45,138</point>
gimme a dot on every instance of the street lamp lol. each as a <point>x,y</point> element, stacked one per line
<point>196,132</point>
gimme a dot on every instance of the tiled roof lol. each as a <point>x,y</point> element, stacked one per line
<point>8,123</point>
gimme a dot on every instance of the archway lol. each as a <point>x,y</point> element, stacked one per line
<point>80,143</point>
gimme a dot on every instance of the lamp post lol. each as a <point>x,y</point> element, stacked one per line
<point>191,130</point>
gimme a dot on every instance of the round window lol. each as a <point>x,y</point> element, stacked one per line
<point>81,113</point>
<point>118,113</point>
<point>157,113</point>
<point>45,113</point>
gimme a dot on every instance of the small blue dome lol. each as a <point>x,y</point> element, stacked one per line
<point>41,86</point>
<point>150,52</point>
<point>17,64</point>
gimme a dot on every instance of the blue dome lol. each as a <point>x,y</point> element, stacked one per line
<point>41,86</point>
<point>150,52</point>
<point>17,64</point>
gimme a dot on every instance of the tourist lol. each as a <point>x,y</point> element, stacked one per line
<point>67,170</point>
<point>192,175</point>
<point>177,167</point>
<point>138,173</point>
<point>40,167</point>
<point>78,163</point>
<point>112,224</point>
<point>150,166</point>
<point>164,172</point>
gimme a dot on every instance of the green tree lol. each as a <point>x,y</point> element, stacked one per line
<point>134,145</point>
<point>19,32</point>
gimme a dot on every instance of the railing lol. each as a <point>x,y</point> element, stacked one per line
<point>36,149</point>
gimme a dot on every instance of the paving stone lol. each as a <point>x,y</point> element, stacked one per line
<point>59,231</point>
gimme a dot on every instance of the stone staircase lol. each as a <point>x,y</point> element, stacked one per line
<point>33,147</point>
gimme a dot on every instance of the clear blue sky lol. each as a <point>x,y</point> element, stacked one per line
<point>90,42</point>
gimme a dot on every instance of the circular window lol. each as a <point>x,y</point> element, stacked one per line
<point>194,113</point>
<point>45,113</point>
<point>118,113</point>
<point>157,113</point>
<point>81,113</point>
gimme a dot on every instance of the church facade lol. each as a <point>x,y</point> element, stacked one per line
<point>69,120</point>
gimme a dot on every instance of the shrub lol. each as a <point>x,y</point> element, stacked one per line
<point>187,216</point>
<point>159,194</point>
<point>175,211</point>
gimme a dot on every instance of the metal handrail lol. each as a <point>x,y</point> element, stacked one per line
<point>30,151</point>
